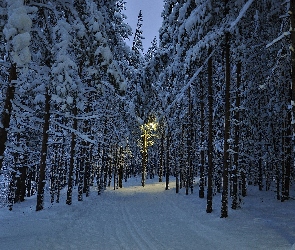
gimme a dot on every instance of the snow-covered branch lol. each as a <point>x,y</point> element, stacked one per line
<point>182,91</point>
<point>278,39</point>
<point>82,136</point>
<point>242,13</point>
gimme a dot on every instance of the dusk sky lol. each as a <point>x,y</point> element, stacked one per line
<point>152,20</point>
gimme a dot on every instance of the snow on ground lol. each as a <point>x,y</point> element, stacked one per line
<point>149,218</point>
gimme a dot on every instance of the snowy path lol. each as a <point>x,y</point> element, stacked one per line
<point>146,218</point>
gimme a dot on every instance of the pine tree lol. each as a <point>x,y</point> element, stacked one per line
<point>152,50</point>
<point>17,36</point>
<point>137,46</point>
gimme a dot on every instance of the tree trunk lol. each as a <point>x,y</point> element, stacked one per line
<point>121,167</point>
<point>287,158</point>
<point>278,182</point>
<point>226,159</point>
<point>291,116</point>
<point>41,184</point>
<point>167,161</point>
<point>6,114</point>
<point>182,160</point>
<point>86,155</point>
<point>87,174</point>
<point>190,143</point>
<point>61,168</point>
<point>144,158</point>
<point>81,171</point>
<point>177,165</point>
<point>72,160</point>
<point>202,152</point>
<point>110,166</point>
<point>161,159</point>
<point>237,128</point>
<point>20,169</point>
<point>11,191</point>
<point>260,171</point>
<point>53,176</point>
<point>210,135</point>
<point>105,167</point>
<point>292,29</point>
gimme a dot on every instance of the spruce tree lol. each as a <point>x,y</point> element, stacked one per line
<point>137,46</point>
<point>17,36</point>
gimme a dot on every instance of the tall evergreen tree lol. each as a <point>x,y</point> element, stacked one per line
<point>152,50</point>
<point>137,46</point>
<point>17,36</point>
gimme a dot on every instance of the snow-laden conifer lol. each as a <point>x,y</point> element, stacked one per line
<point>17,33</point>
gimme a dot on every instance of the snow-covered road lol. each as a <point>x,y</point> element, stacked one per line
<point>146,218</point>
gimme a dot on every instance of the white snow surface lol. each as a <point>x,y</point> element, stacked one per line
<point>149,217</point>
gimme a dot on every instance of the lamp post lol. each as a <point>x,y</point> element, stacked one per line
<point>147,133</point>
<point>144,156</point>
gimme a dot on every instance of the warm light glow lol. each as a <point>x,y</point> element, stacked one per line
<point>149,127</point>
<point>148,132</point>
<point>153,125</point>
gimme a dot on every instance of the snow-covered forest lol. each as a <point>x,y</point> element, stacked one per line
<point>210,105</point>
